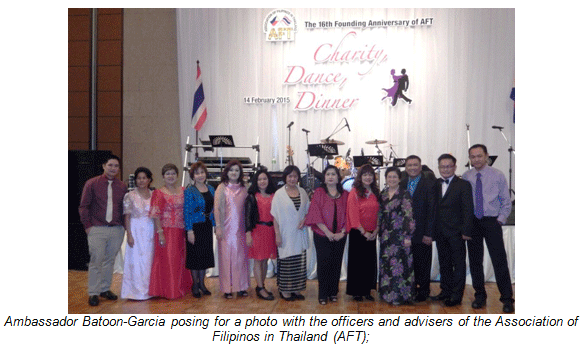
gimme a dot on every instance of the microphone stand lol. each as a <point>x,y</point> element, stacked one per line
<point>309,179</point>
<point>335,131</point>
<point>380,152</point>
<point>468,141</point>
<point>392,153</point>
<point>511,154</point>
<point>289,143</point>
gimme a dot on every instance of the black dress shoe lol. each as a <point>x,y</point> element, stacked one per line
<point>298,296</point>
<point>451,302</point>
<point>478,303</point>
<point>242,294</point>
<point>370,298</point>
<point>358,298</point>
<point>288,299</point>
<point>94,300</point>
<point>421,297</point>
<point>508,307</point>
<point>109,295</point>
<point>205,291</point>
<point>196,292</point>
<point>266,297</point>
<point>441,296</point>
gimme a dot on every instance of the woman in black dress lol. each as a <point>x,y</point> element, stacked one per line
<point>199,222</point>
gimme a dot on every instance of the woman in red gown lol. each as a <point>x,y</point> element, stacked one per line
<point>169,277</point>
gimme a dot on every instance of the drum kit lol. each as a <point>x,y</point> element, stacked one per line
<point>346,164</point>
<point>327,150</point>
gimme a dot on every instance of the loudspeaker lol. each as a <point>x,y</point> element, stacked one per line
<point>83,165</point>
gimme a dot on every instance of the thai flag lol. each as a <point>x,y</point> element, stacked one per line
<point>286,20</point>
<point>274,21</point>
<point>199,108</point>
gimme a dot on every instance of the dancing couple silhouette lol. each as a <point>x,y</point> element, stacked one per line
<point>400,84</point>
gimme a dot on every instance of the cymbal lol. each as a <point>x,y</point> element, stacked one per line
<point>376,141</point>
<point>332,141</point>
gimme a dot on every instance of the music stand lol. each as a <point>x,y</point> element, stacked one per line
<point>399,162</point>
<point>209,148</point>
<point>373,160</point>
<point>492,160</point>
<point>222,141</point>
<point>323,149</point>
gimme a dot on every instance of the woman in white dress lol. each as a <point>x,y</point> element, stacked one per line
<point>140,236</point>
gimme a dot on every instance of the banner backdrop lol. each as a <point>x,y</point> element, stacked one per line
<point>265,68</point>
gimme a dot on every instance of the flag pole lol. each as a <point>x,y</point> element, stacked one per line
<point>197,132</point>
<point>197,148</point>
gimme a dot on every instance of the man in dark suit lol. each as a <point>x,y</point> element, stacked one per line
<point>454,212</point>
<point>420,187</point>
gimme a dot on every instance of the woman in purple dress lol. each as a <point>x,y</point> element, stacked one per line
<point>396,227</point>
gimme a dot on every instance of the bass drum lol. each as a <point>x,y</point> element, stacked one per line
<point>348,183</point>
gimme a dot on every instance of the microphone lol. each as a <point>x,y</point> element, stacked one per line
<point>498,127</point>
<point>347,123</point>
<point>362,152</point>
<point>291,123</point>
<point>348,152</point>
<point>305,130</point>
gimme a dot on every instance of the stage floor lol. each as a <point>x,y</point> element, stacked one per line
<point>216,304</point>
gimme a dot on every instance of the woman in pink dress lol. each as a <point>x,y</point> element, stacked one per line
<point>259,228</point>
<point>230,231</point>
<point>169,277</point>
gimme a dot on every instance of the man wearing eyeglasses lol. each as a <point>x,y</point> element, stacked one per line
<point>454,211</point>
<point>492,206</point>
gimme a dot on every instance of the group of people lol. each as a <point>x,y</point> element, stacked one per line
<point>170,232</point>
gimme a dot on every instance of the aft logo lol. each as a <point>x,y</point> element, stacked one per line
<point>280,25</point>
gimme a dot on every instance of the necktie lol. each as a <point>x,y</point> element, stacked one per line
<point>479,212</point>
<point>110,205</point>
<point>411,188</point>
